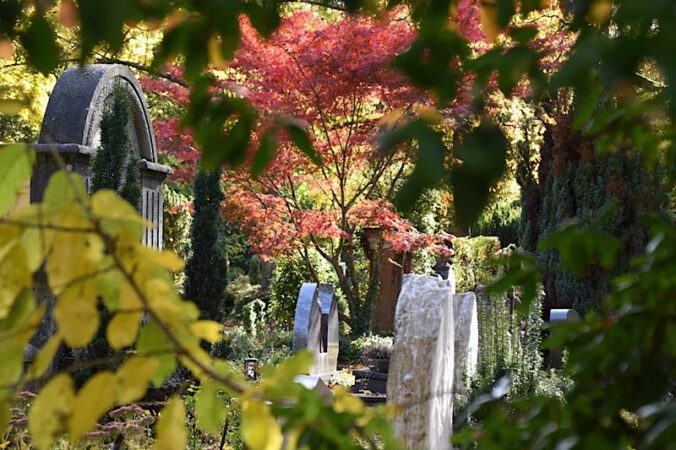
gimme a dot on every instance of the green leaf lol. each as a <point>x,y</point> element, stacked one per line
<point>40,42</point>
<point>483,155</point>
<point>265,152</point>
<point>210,408</point>
<point>16,166</point>
<point>152,341</point>
<point>300,138</point>
<point>429,167</point>
<point>171,430</point>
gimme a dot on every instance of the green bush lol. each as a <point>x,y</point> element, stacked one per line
<point>471,261</point>
<point>205,270</point>
<point>509,344</point>
<point>500,219</point>
<point>374,346</point>
<point>270,346</point>
<point>255,273</point>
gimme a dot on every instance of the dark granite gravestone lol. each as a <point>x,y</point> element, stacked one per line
<point>316,327</point>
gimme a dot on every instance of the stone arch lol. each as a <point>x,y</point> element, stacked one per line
<point>77,102</point>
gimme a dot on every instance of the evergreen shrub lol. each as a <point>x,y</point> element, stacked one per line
<point>471,261</point>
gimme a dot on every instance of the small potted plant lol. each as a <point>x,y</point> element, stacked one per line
<point>376,352</point>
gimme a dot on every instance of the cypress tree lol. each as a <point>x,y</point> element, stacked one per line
<point>255,272</point>
<point>206,268</point>
<point>115,166</point>
<point>575,182</point>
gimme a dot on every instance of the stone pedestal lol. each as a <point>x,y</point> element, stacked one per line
<point>420,380</point>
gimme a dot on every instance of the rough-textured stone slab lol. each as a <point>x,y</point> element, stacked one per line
<point>420,381</point>
<point>466,328</point>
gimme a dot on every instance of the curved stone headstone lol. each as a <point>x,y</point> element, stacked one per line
<point>466,324</point>
<point>420,380</point>
<point>77,102</point>
<point>316,327</point>
<point>71,128</point>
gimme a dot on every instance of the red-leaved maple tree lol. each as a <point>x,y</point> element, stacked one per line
<point>335,77</point>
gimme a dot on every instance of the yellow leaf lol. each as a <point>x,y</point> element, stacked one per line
<point>210,408</point>
<point>259,429</point>
<point>122,329</point>
<point>45,357</point>
<point>50,410</point>
<point>171,432</point>
<point>95,398</point>
<point>6,49</point>
<point>488,14</point>
<point>12,361</point>
<point>133,378</point>
<point>76,314</point>
<point>68,14</point>
<point>599,11</point>
<point>208,330</point>
<point>215,53</point>
<point>16,163</point>
<point>115,213</point>
<point>165,259</point>
<point>64,187</point>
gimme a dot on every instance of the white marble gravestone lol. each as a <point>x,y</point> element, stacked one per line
<point>316,328</point>
<point>420,380</point>
<point>466,327</point>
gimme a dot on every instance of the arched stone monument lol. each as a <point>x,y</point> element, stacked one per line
<point>71,127</point>
<point>316,327</point>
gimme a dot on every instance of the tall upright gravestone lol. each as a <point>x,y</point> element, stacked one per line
<point>315,328</point>
<point>420,380</point>
<point>71,129</point>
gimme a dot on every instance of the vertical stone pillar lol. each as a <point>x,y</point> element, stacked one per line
<point>420,380</point>
<point>466,334</point>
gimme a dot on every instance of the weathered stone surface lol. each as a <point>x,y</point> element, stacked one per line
<point>71,128</point>
<point>77,102</point>
<point>420,381</point>
<point>466,332</point>
<point>316,327</point>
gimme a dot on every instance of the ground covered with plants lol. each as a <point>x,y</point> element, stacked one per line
<point>530,144</point>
